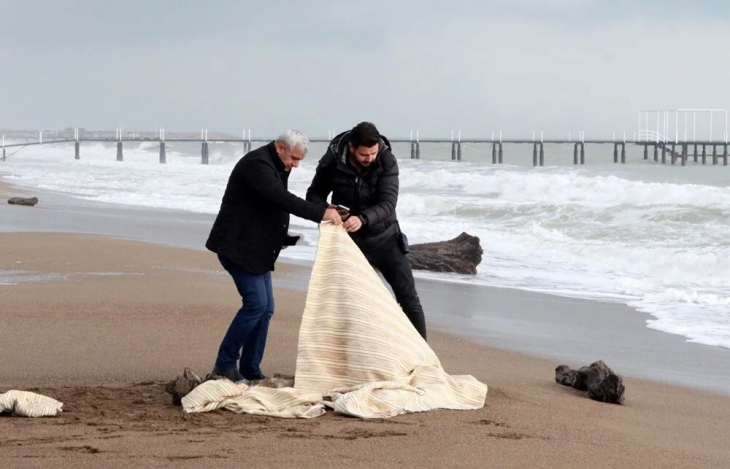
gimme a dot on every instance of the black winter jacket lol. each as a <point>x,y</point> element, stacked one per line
<point>372,193</point>
<point>254,216</point>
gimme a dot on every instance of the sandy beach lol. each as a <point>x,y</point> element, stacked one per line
<point>104,345</point>
<point>101,324</point>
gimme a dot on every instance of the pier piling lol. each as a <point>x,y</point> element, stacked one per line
<point>204,153</point>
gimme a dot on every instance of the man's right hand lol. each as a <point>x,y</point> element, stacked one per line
<point>332,215</point>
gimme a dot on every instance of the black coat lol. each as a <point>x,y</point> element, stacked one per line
<point>372,193</point>
<point>254,217</point>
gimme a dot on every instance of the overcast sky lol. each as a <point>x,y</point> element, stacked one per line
<point>478,66</point>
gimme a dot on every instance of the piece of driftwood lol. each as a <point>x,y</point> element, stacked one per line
<point>29,201</point>
<point>460,255</point>
<point>182,385</point>
<point>598,379</point>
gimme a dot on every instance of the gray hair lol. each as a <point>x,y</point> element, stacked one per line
<point>294,139</point>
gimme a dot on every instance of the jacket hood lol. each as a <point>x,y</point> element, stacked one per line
<point>339,147</point>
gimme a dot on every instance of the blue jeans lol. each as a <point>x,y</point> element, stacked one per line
<point>246,336</point>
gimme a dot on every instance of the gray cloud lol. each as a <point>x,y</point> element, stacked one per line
<point>519,66</point>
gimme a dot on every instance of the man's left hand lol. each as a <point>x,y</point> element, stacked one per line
<point>344,214</point>
<point>352,224</point>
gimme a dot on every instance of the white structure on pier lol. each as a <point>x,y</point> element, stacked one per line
<point>685,125</point>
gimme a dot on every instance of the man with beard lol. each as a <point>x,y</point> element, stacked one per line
<point>361,172</point>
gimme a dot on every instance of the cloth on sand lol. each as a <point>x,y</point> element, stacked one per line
<point>29,404</point>
<point>358,352</point>
<point>259,400</point>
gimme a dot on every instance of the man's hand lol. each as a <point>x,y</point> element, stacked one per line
<point>353,224</point>
<point>332,215</point>
<point>344,214</point>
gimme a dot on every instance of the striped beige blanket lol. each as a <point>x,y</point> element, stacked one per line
<point>358,353</point>
<point>29,404</point>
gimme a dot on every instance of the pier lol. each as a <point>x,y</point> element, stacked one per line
<point>657,146</point>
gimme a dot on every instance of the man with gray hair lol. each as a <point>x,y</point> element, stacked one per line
<point>248,235</point>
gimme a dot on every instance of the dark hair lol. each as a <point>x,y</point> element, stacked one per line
<point>364,134</point>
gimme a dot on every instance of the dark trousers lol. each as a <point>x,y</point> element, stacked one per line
<point>246,336</point>
<point>396,269</point>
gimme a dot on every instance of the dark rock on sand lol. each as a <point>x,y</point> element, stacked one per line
<point>29,201</point>
<point>598,379</point>
<point>182,385</point>
<point>460,255</point>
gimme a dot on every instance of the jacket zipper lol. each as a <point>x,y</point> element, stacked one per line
<point>357,193</point>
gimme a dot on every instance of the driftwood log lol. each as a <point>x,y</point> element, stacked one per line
<point>29,201</point>
<point>182,385</point>
<point>598,379</point>
<point>460,255</point>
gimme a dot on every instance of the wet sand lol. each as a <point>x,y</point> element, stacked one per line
<point>103,323</point>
